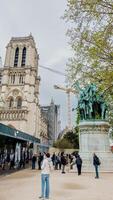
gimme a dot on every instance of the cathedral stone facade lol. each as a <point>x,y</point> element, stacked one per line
<point>19,86</point>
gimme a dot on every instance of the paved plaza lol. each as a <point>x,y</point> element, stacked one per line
<point>25,185</point>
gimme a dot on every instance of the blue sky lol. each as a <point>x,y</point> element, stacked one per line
<point>42,18</point>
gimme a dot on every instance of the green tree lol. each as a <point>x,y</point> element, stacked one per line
<point>69,141</point>
<point>73,138</point>
<point>91,38</point>
<point>63,144</point>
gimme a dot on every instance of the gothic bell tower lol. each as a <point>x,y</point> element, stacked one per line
<point>19,86</point>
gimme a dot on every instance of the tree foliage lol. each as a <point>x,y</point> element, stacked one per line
<point>69,141</point>
<point>73,138</point>
<point>91,38</point>
<point>63,144</point>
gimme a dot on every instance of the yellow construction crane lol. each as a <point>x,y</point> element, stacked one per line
<point>68,90</point>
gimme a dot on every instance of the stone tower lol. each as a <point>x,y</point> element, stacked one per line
<point>19,86</point>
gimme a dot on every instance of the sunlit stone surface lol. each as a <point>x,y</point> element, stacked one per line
<point>93,137</point>
<point>26,185</point>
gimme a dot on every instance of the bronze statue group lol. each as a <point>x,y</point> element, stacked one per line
<point>91,105</point>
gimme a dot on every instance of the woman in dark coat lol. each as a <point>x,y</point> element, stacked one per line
<point>96,163</point>
<point>63,162</point>
<point>78,164</point>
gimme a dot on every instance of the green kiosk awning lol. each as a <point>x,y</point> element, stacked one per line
<point>17,134</point>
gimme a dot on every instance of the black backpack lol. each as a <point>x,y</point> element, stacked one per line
<point>97,160</point>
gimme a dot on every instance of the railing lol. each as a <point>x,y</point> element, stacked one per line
<point>14,114</point>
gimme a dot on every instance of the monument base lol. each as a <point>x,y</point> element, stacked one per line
<point>93,138</point>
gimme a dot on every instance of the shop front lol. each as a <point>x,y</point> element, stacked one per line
<point>16,145</point>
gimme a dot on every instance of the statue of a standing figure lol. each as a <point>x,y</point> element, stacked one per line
<point>1,102</point>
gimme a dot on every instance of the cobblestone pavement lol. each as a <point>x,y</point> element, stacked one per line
<point>25,185</point>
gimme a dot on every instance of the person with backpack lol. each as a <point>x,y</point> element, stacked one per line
<point>63,162</point>
<point>96,163</point>
<point>78,164</point>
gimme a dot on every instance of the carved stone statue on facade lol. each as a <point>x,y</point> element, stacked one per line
<point>1,102</point>
<point>91,105</point>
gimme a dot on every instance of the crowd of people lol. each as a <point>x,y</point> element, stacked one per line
<point>10,160</point>
<point>61,161</point>
<point>46,163</point>
<point>57,162</point>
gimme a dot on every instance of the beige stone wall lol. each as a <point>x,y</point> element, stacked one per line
<point>20,125</point>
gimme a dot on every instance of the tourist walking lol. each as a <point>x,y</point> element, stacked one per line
<point>53,158</point>
<point>3,161</point>
<point>22,160</point>
<point>96,163</point>
<point>78,164</point>
<point>45,176</point>
<point>63,162</point>
<point>40,158</point>
<point>33,161</point>
<point>59,161</point>
<point>12,155</point>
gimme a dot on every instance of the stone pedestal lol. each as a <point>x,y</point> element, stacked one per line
<point>93,137</point>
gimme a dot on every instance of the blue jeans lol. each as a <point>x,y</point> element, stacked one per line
<point>96,170</point>
<point>33,165</point>
<point>45,185</point>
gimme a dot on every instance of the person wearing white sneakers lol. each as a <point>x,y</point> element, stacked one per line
<point>45,176</point>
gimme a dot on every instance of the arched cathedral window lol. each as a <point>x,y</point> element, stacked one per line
<point>23,56</point>
<point>19,102</point>
<point>16,57</point>
<point>11,102</point>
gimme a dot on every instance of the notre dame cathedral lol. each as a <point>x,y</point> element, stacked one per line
<point>19,86</point>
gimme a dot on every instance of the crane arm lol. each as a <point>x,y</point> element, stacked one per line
<point>52,70</point>
<point>68,90</point>
<point>60,87</point>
